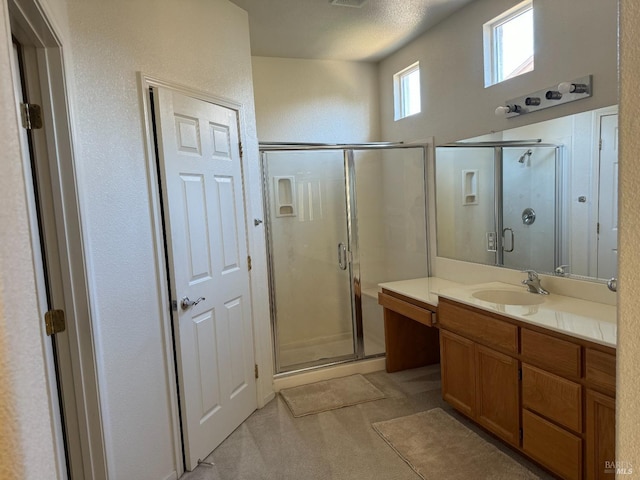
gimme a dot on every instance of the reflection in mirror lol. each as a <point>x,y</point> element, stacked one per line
<point>541,196</point>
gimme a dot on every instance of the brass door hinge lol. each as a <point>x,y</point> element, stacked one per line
<point>54,321</point>
<point>249,262</point>
<point>31,116</point>
<point>256,371</point>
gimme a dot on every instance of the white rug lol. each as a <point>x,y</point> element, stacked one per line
<point>330,395</point>
<point>436,446</point>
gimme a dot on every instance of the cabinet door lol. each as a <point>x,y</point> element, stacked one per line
<point>554,447</point>
<point>601,436</point>
<point>497,406</point>
<point>457,362</point>
<point>553,397</point>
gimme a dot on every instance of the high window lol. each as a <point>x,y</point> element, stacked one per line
<point>508,44</point>
<point>406,84</point>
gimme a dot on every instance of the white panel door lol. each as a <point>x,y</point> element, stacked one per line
<point>608,201</point>
<point>205,229</point>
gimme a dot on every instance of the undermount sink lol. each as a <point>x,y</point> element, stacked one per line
<point>508,297</point>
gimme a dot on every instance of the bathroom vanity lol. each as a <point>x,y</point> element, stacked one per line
<point>410,315</point>
<point>538,374</point>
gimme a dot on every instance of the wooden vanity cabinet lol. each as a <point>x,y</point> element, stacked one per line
<point>497,406</point>
<point>600,418</point>
<point>458,372</point>
<point>480,381</point>
<point>410,336</point>
<point>601,435</point>
<point>549,395</point>
<point>552,402</point>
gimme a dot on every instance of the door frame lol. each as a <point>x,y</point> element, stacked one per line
<point>595,185</point>
<point>259,301</point>
<point>62,229</point>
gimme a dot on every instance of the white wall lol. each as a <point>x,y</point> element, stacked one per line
<point>573,38</point>
<point>202,44</point>
<point>320,101</point>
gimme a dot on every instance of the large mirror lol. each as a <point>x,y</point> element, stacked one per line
<point>542,196</point>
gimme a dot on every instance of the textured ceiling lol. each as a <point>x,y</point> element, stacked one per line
<point>317,29</point>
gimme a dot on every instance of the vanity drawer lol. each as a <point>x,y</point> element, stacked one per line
<point>552,396</point>
<point>551,353</point>
<point>552,446</point>
<point>600,369</point>
<point>414,312</point>
<point>482,328</point>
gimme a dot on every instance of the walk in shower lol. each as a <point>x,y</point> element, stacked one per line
<point>340,219</point>
<point>499,203</point>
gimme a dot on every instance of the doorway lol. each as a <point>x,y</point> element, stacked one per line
<point>607,227</point>
<point>57,243</point>
<point>201,190</point>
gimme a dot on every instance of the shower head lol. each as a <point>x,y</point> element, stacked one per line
<point>524,155</point>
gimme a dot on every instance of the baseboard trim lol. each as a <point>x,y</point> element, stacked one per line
<point>304,378</point>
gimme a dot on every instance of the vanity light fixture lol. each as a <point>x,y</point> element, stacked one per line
<point>558,94</point>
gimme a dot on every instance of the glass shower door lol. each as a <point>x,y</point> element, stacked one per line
<point>530,207</point>
<point>310,266</point>
<point>466,220</point>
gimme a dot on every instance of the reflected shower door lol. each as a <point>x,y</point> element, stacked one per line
<point>529,214</point>
<point>310,265</point>
<point>465,201</point>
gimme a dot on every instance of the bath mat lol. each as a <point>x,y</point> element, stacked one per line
<point>330,395</point>
<point>436,446</point>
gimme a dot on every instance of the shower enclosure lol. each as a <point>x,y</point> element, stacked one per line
<point>500,203</point>
<point>339,220</point>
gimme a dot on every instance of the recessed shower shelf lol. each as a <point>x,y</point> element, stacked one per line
<point>285,189</point>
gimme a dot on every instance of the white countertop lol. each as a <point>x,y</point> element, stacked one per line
<point>422,289</point>
<point>591,321</point>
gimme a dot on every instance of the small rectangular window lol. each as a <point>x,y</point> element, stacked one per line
<point>508,44</point>
<point>406,84</point>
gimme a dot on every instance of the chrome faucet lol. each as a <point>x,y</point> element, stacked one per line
<point>533,282</point>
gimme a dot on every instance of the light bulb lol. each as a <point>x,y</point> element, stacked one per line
<point>566,87</point>
<point>502,111</point>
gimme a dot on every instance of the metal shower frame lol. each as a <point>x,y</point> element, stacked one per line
<point>352,228</point>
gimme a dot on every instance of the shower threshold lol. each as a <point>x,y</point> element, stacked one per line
<point>323,363</point>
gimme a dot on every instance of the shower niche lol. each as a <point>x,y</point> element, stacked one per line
<point>284,193</point>
<point>339,220</point>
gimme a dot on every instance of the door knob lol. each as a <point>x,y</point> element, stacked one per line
<point>185,303</point>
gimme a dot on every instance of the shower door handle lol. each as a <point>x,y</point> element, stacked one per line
<point>512,239</point>
<point>342,256</point>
